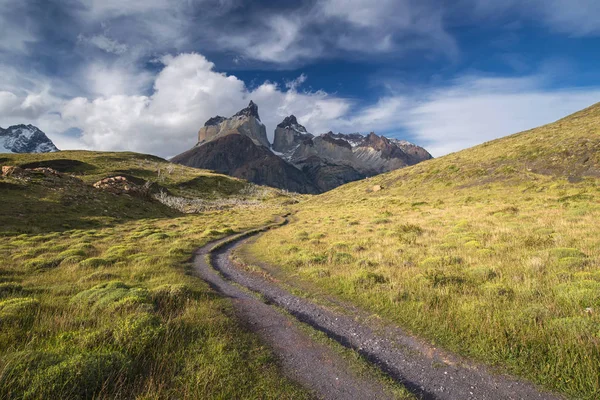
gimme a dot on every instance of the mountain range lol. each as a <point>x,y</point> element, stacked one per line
<point>297,161</point>
<point>25,139</point>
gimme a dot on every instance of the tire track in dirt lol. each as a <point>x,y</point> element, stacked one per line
<point>427,372</point>
<point>313,365</point>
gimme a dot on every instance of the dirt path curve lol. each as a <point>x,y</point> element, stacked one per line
<point>427,372</point>
<point>315,366</point>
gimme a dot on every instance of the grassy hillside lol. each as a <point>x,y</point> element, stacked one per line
<point>51,203</point>
<point>493,251</point>
<point>96,294</point>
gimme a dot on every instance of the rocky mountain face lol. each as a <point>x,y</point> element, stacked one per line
<point>239,156</point>
<point>298,161</point>
<point>246,122</point>
<point>333,158</point>
<point>25,139</point>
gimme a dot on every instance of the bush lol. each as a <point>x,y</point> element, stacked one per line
<point>564,252</point>
<point>116,295</point>
<point>170,299</point>
<point>438,278</point>
<point>95,262</point>
<point>138,332</point>
<point>367,279</point>
<point>8,289</point>
<point>80,376</point>
<point>18,310</point>
<point>42,263</point>
<point>315,272</point>
<point>343,258</point>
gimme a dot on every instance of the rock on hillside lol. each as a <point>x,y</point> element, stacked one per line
<point>25,139</point>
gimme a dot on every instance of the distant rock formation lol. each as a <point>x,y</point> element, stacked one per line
<point>334,159</point>
<point>25,139</point>
<point>239,156</point>
<point>246,122</point>
<point>238,146</point>
<point>298,160</point>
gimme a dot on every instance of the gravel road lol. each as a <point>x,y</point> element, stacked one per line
<point>427,372</point>
<point>313,365</point>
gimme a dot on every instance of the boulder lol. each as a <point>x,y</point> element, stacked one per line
<point>10,170</point>
<point>120,185</point>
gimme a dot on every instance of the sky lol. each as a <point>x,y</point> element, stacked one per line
<point>144,75</point>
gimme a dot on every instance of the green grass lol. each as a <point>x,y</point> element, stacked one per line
<point>92,166</point>
<point>98,297</point>
<point>493,252</point>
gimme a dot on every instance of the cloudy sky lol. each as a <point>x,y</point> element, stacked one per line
<point>144,75</point>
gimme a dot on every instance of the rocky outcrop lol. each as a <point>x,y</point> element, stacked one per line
<point>289,134</point>
<point>333,159</point>
<point>121,185</point>
<point>25,139</point>
<point>245,122</point>
<point>241,157</point>
<point>298,161</point>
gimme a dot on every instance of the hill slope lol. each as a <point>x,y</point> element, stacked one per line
<point>41,201</point>
<point>493,251</point>
<point>97,297</point>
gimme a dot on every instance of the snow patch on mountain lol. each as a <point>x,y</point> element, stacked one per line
<point>25,139</point>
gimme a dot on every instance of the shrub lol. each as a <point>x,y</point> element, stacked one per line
<point>171,299</point>
<point>73,253</point>
<point>499,289</point>
<point>42,263</point>
<point>158,236</point>
<point>8,289</point>
<point>409,228</point>
<point>573,262</point>
<point>368,279</point>
<point>95,262</point>
<point>137,333</point>
<point>563,252</point>
<point>316,272</point>
<point>18,310</point>
<point>438,277</point>
<point>80,376</point>
<point>343,258</point>
<point>116,295</point>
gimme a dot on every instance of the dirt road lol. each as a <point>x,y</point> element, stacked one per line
<point>427,372</point>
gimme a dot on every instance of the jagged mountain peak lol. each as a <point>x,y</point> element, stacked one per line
<point>297,160</point>
<point>245,122</point>
<point>214,121</point>
<point>250,111</point>
<point>25,139</point>
<point>292,123</point>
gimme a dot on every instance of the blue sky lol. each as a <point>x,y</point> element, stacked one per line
<point>144,75</point>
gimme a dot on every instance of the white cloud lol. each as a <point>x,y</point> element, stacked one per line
<point>187,92</point>
<point>16,28</point>
<point>105,43</point>
<point>471,110</point>
<point>8,102</point>
<point>121,78</point>
<point>574,17</point>
<point>454,119</point>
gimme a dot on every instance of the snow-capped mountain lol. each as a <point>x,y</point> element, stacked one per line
<point>25,139</point>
